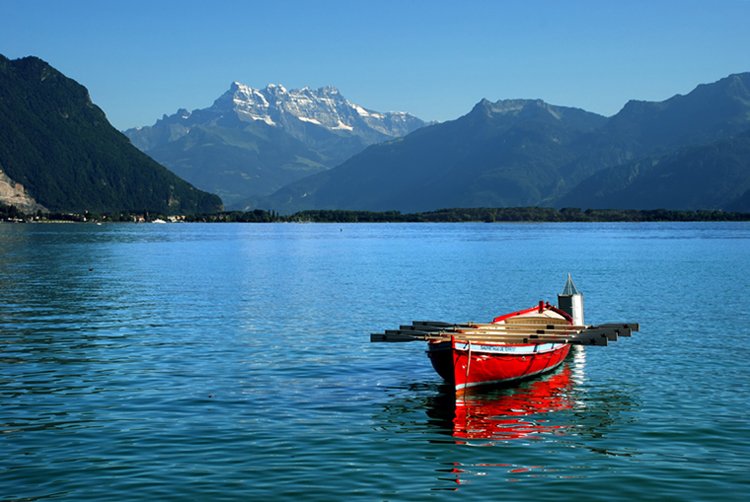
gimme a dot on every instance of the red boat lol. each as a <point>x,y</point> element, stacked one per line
<point>464,363</point>
<point>512,347</point>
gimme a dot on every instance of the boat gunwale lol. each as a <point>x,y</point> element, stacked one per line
<point>536,308</point>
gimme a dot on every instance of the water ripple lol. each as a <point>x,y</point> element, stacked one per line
<point>227,362</point>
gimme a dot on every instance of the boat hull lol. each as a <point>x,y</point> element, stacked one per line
<point>466,364</point>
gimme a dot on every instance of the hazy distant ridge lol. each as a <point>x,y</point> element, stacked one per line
<point>528,152</point>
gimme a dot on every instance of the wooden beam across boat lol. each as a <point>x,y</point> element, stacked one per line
<point>505,333</point>
<point>433,325</point>
<point>529,339</point>
<point>429,326</point>
<point>623,329</point>
<point>497,327</point>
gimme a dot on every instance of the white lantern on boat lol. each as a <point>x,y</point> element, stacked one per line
<point>571,301</point>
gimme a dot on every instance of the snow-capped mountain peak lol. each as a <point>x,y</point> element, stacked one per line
<point>324,107</point>
<point>250,142</point>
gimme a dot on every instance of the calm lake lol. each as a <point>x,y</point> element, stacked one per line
<point>233,362</point>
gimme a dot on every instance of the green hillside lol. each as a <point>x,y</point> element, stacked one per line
<point>61,147</point>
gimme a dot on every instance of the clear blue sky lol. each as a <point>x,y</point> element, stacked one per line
<point>433,58</point>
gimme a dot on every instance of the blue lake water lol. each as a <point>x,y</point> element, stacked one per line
<point>232,361</point>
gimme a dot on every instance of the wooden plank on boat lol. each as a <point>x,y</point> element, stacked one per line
<point>437,324</point>
<point>444,325</point>
<point>610,335</point>
<point>510,336</point>
<point>417,335</point>
<point>490,333</point>
<point>623,329</point>
<point>496,327</point>
<point>537,339</point>
<point>520,332</point>
<point>395,337</point>
<point>525,339</point>
<point>567,328</point>
<point>508,333</point>
<point>590,338</point>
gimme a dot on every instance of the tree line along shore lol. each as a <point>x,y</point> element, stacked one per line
<point>456,215</point>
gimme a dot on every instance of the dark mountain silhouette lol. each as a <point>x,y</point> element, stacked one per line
<point>500,154</point>
<point>713,176</point>
<point>59,146</point>
<point>528,153</point>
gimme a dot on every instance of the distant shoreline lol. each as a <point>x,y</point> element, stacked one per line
<point>454,215</point>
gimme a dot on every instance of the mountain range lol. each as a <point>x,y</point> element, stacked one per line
<point>252,142</point>
<point>308,149</point>
<point>687,152</point>
<point>58,152</point>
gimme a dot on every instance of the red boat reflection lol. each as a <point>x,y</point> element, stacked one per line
<point>513,413</point>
